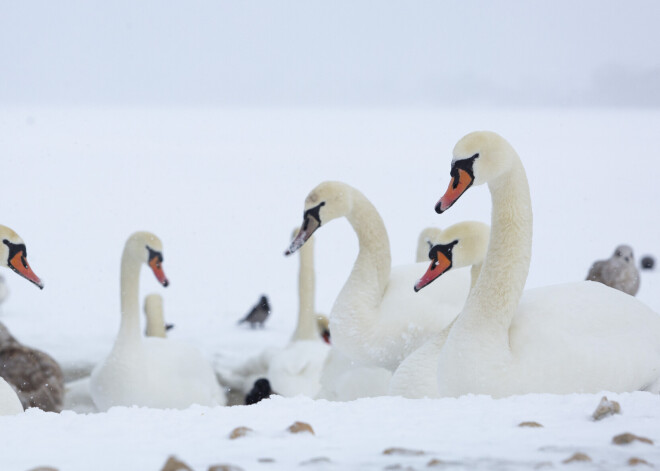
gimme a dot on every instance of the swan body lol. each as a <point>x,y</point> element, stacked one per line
<point>297,368</point>
<point>152,371</point>
<point>463,244</point>
<point>13,254</point>
<point>572,338</point>
<point>377,319</point>
<point>343,380</point>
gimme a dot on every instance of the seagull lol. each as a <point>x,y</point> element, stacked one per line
<point>258,314</point>
<point>618,272</point>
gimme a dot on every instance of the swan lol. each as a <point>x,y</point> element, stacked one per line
<point>13,255</point>
<point>153,311</point>
<point>377,320</point>
<point>581,337</point>
<point>297,368</point>
<point>461,245</point>
<point>151,371</point>
<point>36,376</point>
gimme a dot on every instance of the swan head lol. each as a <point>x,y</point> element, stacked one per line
<point>479,157</point>
<point>461,245</point>
<point>145,247</point>
<point>13,254</point>
<point>328,201</point>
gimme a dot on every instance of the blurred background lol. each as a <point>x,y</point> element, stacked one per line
<point>341,53</point>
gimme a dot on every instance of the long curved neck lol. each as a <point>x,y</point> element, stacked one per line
<point>129,328</point>
<point>306,329</point>
<point>356,307</point>
<point>496,295</point>
<point>475,271</point>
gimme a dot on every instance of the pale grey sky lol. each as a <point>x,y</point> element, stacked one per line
<point>310,52</point>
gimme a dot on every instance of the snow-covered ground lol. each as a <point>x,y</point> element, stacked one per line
<point>223,188</point>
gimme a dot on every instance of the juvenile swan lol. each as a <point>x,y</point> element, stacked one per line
<point>377,320</point>
<point>151,371</point>
<point>570,338</point>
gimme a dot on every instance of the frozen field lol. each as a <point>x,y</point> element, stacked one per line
<point>223,189</point>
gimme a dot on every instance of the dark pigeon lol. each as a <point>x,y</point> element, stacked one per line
<point>259,313</point>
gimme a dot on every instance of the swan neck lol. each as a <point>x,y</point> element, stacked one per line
<point>374,261</point>
<point>497,292</point>
<point>475,271</point>
<point>130,311</point>
<point>306,329</point>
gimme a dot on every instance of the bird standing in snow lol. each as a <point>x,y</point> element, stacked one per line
<point>618,272</point>
<point>258,314</point>
<point>260,390</point>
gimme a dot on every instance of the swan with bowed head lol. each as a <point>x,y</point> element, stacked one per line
<point>377,320</point>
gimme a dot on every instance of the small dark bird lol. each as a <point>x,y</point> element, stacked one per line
<point>260,390</point>
<point>618,272</point>
<point>258,314</point>
<point>648,262</point>
<point>169,327</point>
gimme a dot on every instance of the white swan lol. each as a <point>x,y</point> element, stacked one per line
<point>13,254</point>
<point>463,244</point>
<point>569,338</point>
<point>152,371</point>
<point>377,320</point>
<point>153,311</point>
<point>297,368</point>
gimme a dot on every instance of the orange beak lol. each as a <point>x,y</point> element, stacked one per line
<point>440,263</point>
<point>157,268</point>
<point>20,265</point>
<point>460,182</point>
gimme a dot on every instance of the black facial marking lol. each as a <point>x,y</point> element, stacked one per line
<point>465,165</point>
<point>154,253</point>
<point>15,249</point>
<point>314,213</point>
<point>446,250</point>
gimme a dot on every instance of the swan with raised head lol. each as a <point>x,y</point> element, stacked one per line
<point>153,311</point>
<point>377,320</point>
<point>151,371</point>
<point>297,368</point>
<point>13,255</point>
<point>461,245</point>
<point>570,338</point>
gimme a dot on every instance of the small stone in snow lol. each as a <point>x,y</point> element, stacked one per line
<point>300,427</point>
<point>225,467</point>
<point>529,424</point>
<point>635,461</point>
<point>239,432</point>
<point>403,451</point>
<point>266,460</point>
<point>319,460</point>
<point>577,457</point>
<point>43,468</point>
<point>626,438</point>
<point>606,408</point>
<point>174,464</point>
<point>398,467</point>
